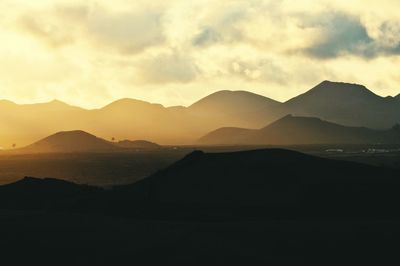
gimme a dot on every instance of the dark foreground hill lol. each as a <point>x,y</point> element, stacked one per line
<point>32,193</point>
<point>263,207</point>
<point>272,183</point>
<point>292,130</point>
<point>264,183</point>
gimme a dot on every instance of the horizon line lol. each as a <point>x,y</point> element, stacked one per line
<point>57,100</point>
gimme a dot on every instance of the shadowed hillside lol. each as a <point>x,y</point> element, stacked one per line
<point>235,108</point>
<point>291,130</point>
<point>238,208</point>
<point>33,193</point>
<point>69,141</point>
<point>270,183</point>
<point>346,104</point>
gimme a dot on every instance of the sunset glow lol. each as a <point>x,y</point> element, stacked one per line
<point>89,53</point>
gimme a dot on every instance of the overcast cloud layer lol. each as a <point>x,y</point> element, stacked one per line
<point>89,53</point>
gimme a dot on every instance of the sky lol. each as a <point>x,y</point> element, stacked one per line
<point>174,52</point>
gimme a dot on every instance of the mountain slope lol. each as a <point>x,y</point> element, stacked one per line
<point>346,104</point>
<point>227,102</point>
<point>343,103</point>
<point>69,141</point>
<point>35,193</point>
<point>23,124</point>
<point>268,183</point>
<point>291,130</point>
<point>235,108</point>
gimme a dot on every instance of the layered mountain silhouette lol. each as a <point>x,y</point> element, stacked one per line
<point>342,103</point>
<point>78,141</point>
<point>346,104</point>
<point>291,130</point>
<point>270,183</point>
<point>235,107</point>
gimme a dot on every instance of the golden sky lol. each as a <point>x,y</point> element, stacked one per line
<point>89,53</point>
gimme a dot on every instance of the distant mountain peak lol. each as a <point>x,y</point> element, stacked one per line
<point>57,102</point>
<point>69,141</point>
<point>328,94</point>
<point>72,133</point>
<point>124,102</point>
<point>342,86</point>
<point>229,95</point>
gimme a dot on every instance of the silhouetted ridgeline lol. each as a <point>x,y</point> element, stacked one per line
<point>291,130</point>
<point>342,103</point>
<point>37,194</point>
<point>270,183</point>
<point>78,141</point>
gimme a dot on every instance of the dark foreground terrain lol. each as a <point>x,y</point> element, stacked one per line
<point>116,168</point>
<point>262,207</point>
<point>99,169</point>
<point>52,238</point>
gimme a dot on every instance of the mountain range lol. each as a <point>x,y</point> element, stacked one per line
<point>291,130</point>
<point>342,103</point>
<point>79,141</point>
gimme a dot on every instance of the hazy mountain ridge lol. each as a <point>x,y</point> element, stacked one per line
<point>235,108</point>
<point>346,104</point>
<point>342,103</point>
<point>291,130</point>
<point>78,141</point>
<point>69,141</point>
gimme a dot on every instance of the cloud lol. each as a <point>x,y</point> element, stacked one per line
<point>343,34</point>
<point>220,27</point>
<point>57,28</point>
<point>261,70</point>
<point>171,67</point>
<point>206,36</point>
<point>88,52</point>
<point>127,32</point>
